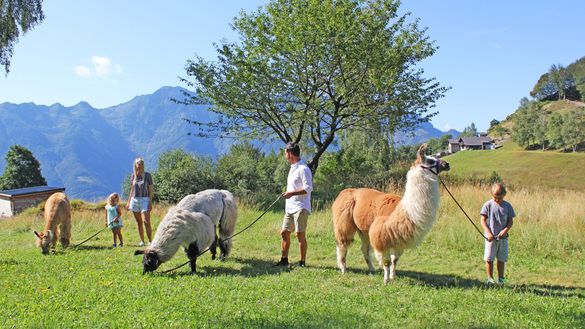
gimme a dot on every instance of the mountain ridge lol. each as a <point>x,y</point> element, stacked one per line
<point>90,151</point>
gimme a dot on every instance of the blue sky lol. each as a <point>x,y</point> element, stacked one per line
<point>106,52</point>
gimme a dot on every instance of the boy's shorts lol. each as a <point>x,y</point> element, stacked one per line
<point>496,249</point>
<point>139,204</point>
<point>296,221</point>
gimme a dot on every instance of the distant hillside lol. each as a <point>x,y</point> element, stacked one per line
<point>523,168</point>
<point>89,151</point>
<point>421,134</point>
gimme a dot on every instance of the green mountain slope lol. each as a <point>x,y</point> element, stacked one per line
<point>523,169</point>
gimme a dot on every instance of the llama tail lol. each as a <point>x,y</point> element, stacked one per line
<point>227,223</point>
<point>343,223</point>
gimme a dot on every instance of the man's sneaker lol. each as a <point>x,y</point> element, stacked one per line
<point>141,244</point>
<point>490,282</point>
<point>301,263</point>
<point>121,244</point>
<point>283,262</point>
<point>502,281</point>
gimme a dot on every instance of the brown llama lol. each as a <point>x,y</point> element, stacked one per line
<point>414,215</point>
<point>354,211</point>
<point>57,222</point>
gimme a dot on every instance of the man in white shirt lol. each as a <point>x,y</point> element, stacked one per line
<point>299,185</point>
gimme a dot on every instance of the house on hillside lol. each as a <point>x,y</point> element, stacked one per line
<point>480,142</point>
<point>14,201</point>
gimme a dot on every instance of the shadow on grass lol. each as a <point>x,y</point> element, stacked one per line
<point>452,281</point>
<point>90,247</point>
<point>252,267</point>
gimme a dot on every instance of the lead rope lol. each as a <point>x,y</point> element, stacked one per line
<point>233,235</point>
<point>456,202</point>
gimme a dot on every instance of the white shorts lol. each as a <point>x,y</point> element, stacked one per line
<point>139,204</point>
<point>496,249</point>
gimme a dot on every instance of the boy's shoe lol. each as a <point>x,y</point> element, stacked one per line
<point>301,263</point>
<point>283,262</point>
<point>502,281</point>
<point>141,244</point>
<point>490,282</point>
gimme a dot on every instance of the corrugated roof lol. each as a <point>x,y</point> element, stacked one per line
<point>31,190</point>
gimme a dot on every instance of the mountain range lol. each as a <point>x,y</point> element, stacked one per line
<point>90,151</point>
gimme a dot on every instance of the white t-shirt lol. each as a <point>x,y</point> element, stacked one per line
<point>299,177</point>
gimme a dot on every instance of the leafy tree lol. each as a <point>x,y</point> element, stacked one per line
<point>305,70</point>
<point>493,123</point>
<point>16,17</point>
<point>540,124</point>
<point>469,131</point>
<point>573,130</point>
<point>554,130</point>
<point>180,174</point>
<point>251,175</point>
<point>22,170</point>
<point>436,145</point>
<point>525,119</point>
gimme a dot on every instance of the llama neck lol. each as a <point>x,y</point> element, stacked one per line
<point>421,197</point>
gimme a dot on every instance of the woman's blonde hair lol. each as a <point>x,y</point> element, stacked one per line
<point>137,161</point>
<point>111,198</point>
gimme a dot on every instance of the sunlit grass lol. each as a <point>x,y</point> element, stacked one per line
<point>440,284</point>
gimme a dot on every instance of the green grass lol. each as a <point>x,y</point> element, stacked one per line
<point>548,169</point>
<point>439,284</point>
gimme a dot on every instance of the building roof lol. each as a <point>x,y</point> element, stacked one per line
<point>471,140</point>
<point>30,190</point>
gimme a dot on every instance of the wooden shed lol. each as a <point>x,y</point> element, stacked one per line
<point>14,201</point>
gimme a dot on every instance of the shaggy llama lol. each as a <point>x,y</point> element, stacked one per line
<point>414,215</point>
<point>57,223</point>
<point>354,211</point>
<point>192,224</point>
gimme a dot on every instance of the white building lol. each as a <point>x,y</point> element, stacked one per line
<point>14,201</point>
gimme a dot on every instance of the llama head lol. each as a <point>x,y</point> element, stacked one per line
<point>429,162</point>
<point>44,241</point>
<point>150,261</point>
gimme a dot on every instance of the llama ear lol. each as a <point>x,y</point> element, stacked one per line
<point>39,235</point>
<point>138,252</point>
<point>421,152</point>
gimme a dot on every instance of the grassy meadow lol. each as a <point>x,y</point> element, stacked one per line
<point>439,284</point>
<point>520,168</point>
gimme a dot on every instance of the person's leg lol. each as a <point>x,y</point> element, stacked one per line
<point>501,265</point>
<point>139,223</point>
<point>147,225</point>
<point>285,243</point>
<point>301,236</point>
<point>120,238</point>
<point>489,269</point>
<point>114,236</point>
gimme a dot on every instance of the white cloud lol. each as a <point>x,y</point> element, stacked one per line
<point>101,67</point>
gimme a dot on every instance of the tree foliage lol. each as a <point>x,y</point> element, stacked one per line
<point>16,17</point>
<point>305,70</point>
<point>469,131</point>
<point>22,170</point>
<point>180,174</point>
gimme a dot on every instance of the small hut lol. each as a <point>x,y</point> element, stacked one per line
<point>14,201</point>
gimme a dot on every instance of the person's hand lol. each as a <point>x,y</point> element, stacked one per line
<point>287,195</point>
<point>502,233</point>
<point>490,237</point>
<point>127,206</point>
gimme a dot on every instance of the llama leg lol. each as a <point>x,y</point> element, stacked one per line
<point>54,237</point>
<point>383,258</point>
<point>65,234</point>
<point>393,260</point>
<point>367,251</point>
<point>192,253</point>
<point>213,247</point>
<point>341,254</point>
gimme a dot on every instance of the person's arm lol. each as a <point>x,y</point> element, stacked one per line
<point>131,192</point>
<point>307,186</point>
<point>486,229</point>
<point>118,213</point>
<point>150,192</point>
<point>106,217</point>
<point>507,228</point>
